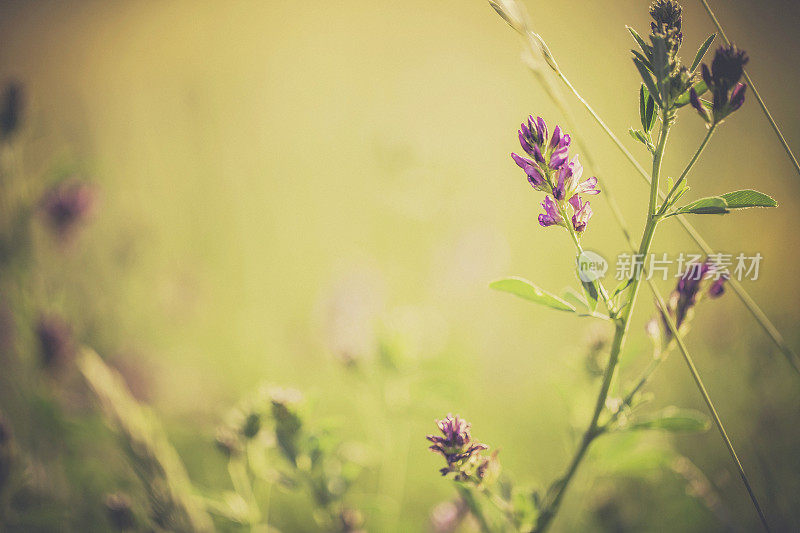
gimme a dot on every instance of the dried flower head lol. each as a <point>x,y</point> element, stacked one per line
<point>66,205</point>
<point>722,80</point>
<point>11,106</point>
<point>56,343</point>
<point>457,447</point>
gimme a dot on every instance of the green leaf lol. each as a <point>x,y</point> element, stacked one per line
<point>590,290</point>
<point>748,198</point>
<point>700,88</point>
<point>636,37</point>
<point>651,113</point>
<point>674,420</point>
<point>527,290</point>
<point>712,205</point>
<point>660,66</point>
<point>702,51</point>
<point>644,94</point>
<point>639,136</point>
<point>647,78</point>
<point>571,296</point>
<point>624,284</point>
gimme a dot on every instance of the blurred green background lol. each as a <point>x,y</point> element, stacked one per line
<point>282,182</point>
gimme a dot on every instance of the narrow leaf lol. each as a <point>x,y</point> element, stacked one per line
<point>590,290</point>
<point>647,78</point>
<point>651,113</point>
<point>674,420</point>
<point>702,51</point>
<point>644,94</point>
<point>643,45</point>
<point>527,290</point>
<point>748,198</point>
<point>639,136</point>
<point>712,205</point>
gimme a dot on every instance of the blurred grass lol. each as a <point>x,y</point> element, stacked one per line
<point>256,159</point>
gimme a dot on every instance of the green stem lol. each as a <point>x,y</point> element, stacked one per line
<point>707,399</point>
<point>475,508</point>
<point>597,283</point>
<point>623,325</point>
<point>752,85</point>
<point>665,204</point>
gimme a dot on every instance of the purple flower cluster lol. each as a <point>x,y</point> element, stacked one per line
<point>722,80</point>
<point>700,279</point>
<point>456,446</point>
<point>549,170</point>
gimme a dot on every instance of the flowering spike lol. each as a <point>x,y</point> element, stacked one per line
<point>550,217</point>
<point>722,80</point>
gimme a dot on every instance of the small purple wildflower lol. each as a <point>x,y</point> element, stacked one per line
<point>457,446</point>
<point>56,342</point>
<point>700,279</point>
<point>722,80</point>
<point>66,205</point>
<point>549,170</point>
<point>583,212</point>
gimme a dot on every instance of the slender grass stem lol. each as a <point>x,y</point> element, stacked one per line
<point>707,399</point>
<point>752,85</point>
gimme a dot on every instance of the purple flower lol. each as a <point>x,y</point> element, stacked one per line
<point>722,80</point>
<point>56,344</point>
<point>700,279</point>
<point>456,446</point>
<point>67,205</point>
<point>550,171</point>
<point>569,181</point>
<point>583,212</point>
<point>550,217</point>
<point>535,177</point>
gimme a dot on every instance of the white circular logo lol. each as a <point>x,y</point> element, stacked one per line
<point>591,266</point>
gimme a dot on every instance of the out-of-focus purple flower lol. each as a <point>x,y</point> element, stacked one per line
<point>68,204</point>
<point>722,80</point>
<point>550,217</point>
<point>583,212</point>
<point>56,343</point>
<point>456,446</point>
<point>699,280</point>
<point>447,516</point>
<point>11,106</point>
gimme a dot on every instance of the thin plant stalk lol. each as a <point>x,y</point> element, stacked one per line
<point>752,85</point>
<point>707,399</point>
<point>620,334</point>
